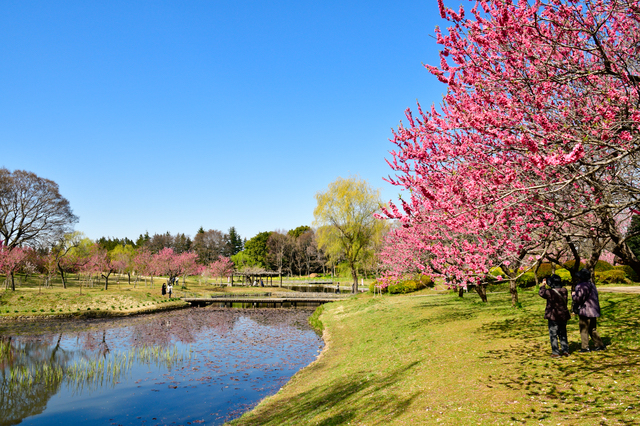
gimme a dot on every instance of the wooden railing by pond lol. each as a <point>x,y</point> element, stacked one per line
<point>275,299</point>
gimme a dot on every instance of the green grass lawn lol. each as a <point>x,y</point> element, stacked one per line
<point>31,299</point>
<point>439,359</point>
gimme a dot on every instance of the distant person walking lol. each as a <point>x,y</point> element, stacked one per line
<point>170,289</point>
<point>338,288</point>
<point>164,288</point>
<point>557,314</point>
<point>587,305</point>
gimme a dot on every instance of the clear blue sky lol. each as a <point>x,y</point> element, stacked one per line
<point>170,115</point>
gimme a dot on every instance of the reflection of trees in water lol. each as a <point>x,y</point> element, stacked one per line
<point>180,327</point>
<point>33,370</point>
<point>30,377</point>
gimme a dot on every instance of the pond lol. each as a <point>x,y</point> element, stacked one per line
<point>192,366</point>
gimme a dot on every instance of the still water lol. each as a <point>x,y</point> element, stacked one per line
<point>194,366</point>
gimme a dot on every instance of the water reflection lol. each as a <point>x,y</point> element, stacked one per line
<point>216,363</point>
<point>30,376</point>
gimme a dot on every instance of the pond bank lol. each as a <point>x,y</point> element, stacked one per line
<point>89,314</point>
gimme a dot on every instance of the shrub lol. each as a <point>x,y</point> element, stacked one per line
<point>629,272</point>
<point>494,272</point>
<point>426,281</point>
<point>565,275</point>
<point>603,265</point>
<point>545,270</point>
<point>569,264</point>
<point>410,286</point>
<point>372,287</point>
<point>394,289</point>
<point>614,276</point>
<point>528,279</point>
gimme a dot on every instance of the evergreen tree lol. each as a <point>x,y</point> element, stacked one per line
<point>235,244</point>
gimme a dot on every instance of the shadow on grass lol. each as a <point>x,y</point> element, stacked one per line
<point>345,398</point>
<point>587,386</point>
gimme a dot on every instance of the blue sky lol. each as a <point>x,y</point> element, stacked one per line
<point>170,115</point>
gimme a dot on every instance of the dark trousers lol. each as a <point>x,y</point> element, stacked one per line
<point>558,332</point>
<point>588,327</point>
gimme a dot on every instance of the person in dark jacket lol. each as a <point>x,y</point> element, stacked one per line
<point>585,297</point>
<point>557,314</point>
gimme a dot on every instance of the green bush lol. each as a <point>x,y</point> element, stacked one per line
<point>569,264</point>
<point>603,265</point>
<point>426,281</point>
<point>545,270</point>
<point>410,286</point>
<point>372,287</point>
<point>393,289</point>
<point>528,279</point>
<point>494,272</point>
<point>629,272</point>
<point>565,275</point>
<point>614,276</point>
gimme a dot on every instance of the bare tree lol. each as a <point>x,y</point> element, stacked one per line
<point>32,211</point>
<point>279,246</point>
<point>209,245</point>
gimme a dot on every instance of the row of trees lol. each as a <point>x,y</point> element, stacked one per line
<point>209,245</point>
<point>533,154</point>
<point>79,255</point>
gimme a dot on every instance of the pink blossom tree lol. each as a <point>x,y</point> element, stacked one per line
<point>143,264</point>
<point>173,265</point>
<point>11,260</point>
<point>101,263</point>
<point>534,146</point>
<point>223,267</point>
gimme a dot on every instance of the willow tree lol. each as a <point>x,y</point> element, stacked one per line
<point>345,220</point>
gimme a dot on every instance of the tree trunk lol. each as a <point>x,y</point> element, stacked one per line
<point>481,289</point>
<point>13,284</point>
<point>106,280</point>
<point>64,281</point>
<point>354,274</point>
<point>513,289</point>
<point>460,291</point>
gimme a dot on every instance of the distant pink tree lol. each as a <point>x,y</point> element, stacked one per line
<point>188,264</point>
<point>173,265</point>
<point>223,267</point>
<point>101,263</point>
<point>143,264</point>
<point>11,260</point>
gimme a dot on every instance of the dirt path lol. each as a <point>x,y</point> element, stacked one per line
<point>627,289</point>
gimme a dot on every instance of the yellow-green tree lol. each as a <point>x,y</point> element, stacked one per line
<point>345,221</point>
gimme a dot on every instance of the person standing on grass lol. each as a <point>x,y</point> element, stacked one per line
<point>587,305</point>
<point>557,314</point>
<point>170,290</point>
<point>164,289</point>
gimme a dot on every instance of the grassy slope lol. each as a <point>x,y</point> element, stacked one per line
<point>444,360</point>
